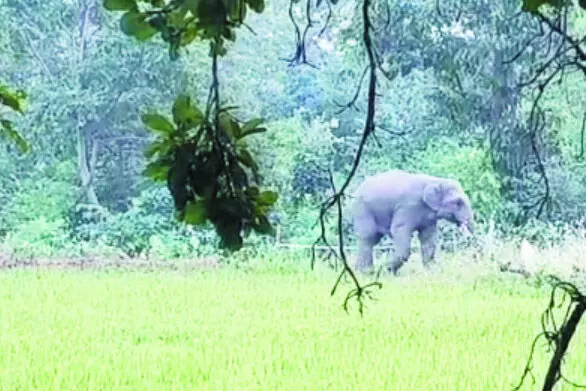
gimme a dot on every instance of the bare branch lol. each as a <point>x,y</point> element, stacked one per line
<point>328,19</point>
<point>582,130</point>
<point>300,56</point>
<point>351,103</point>
<point>392,132</point>
<point>558,338</point>
<point>360,291</point>
<point>546,196</point>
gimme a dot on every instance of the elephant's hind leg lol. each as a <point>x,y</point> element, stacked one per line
<point>368,236</point>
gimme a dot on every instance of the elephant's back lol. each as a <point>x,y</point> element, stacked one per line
<point>392,183</point>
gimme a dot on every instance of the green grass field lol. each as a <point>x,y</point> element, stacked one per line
<point>267,330</point>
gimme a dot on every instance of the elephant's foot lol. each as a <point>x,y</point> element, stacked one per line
<point>429,265</point>
<point>393,270</point>
<point>394,267</point>
<point>364,269</point>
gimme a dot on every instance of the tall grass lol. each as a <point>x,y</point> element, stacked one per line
<point>275,330</point>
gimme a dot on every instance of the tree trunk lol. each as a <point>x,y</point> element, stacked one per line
<point>88,26</point>
<point>510,145</point>
<point>86,165</point>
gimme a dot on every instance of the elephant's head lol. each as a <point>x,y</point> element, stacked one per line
<point>448,200</point>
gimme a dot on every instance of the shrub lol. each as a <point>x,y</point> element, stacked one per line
<point>147,227</point>
<point>567,187</point>
<point>295,156</point>
<point>38,236</point>
<point>47,194</point>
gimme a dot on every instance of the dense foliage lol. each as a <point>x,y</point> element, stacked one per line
<point>99,100</point>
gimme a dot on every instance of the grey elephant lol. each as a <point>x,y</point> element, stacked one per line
<point>398,203</point>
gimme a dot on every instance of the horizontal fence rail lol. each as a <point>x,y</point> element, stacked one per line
<point>280,244</point>
<point>322,247</point>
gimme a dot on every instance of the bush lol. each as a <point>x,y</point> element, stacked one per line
<point>147,227</point>
<point>274,151</point>
<point>295,157</point>
<point>540,233</point>
<point>48,195</point>
<point>38,236</point>
<point>314,157</point>
<point>568,187</point>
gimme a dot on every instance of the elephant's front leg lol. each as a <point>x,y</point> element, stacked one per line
<point>427,238</point>
<point>401,235</point>
<point>364,261</point>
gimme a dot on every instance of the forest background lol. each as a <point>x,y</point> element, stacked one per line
<point>449,105</point>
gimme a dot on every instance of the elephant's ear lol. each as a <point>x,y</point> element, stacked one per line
<point>433,196</point>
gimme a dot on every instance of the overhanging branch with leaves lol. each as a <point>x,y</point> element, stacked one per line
<point>202,154</point>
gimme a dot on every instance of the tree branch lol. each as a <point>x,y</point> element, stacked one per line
<point>359,292</point>
<point>557,337</point>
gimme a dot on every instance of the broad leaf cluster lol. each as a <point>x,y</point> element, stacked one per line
<point>206,170</point>
<point>180,22</point>
<point>202,156</point>
<point>15,101</point>
<point>533,6</point>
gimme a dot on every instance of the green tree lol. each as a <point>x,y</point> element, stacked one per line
<point>74,63</point>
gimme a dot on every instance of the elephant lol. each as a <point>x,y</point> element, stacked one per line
<point>398,203</point>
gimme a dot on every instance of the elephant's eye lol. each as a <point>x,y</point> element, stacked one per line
<point>459,202</point>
